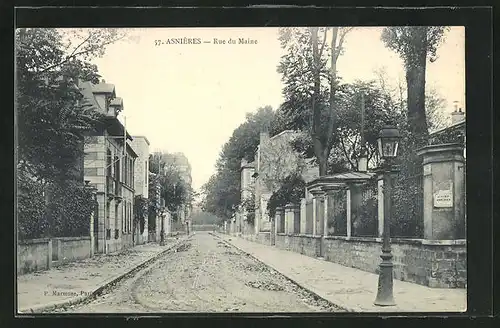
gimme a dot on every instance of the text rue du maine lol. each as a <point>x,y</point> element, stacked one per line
<point>234,41</point>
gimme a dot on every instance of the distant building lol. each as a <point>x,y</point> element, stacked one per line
<point>109,166</point>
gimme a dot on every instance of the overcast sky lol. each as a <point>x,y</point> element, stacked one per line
<point>190,98</point>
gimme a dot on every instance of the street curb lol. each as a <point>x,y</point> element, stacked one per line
<point>341,307</point>
<point>79,299</point>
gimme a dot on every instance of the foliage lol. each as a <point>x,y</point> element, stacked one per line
<point>248,205</point>
<point>415,44</point>
<point>31,219</point>
<point>449,136</point>
<point>291,192</point>
<point>173,187</point>
<point>141,205</point>
<point>339,222</point>
<point>71,207</point>
<point>279,161</point>
<point>52,118</point>
<point>310,85</point>
<point>204,218</point>
<point>67,214</point>
<point>364,216</point>
<point>222,191</point>
<point>153,203</point>
<point>407,202</point>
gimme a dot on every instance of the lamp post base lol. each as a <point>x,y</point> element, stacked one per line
<point>385,295</point>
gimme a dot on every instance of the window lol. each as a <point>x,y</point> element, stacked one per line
<point>116,216</point>
<point>108,162</point>
<point>108,221</point>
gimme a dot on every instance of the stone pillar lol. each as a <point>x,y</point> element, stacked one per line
<point>92,237</point>
<point>296,219</point>
<point>444,191</point>
<point>256,220</point>
<point>288,218</point>
<point>317,195</point>
<point>380,205</point>
<point>280,214</point>
<point>303,216</point>
<point>325,214</point>
<point>49,254</point>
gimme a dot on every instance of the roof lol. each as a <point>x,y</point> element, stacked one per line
<point>450,127</point>
<point>132,151</point>
<point>115,127</point>
<point>339,179</point>
<point>141,137</point>
<point>103,88</point>
<point>88,95</point>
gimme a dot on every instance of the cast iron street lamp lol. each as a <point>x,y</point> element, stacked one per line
<point>388,142</point>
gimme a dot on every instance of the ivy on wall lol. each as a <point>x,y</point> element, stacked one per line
<point>291,192</point>
<point>141,206</point>
<point>53,210</point>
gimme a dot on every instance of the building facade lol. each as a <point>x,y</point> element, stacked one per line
<point>140,144</point>
<point>109,167</point>
<point>275,159</point>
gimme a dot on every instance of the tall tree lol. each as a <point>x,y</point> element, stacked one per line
<point>222,191</point>
<point>415,44</point>
<point>51,114</point>
<point>310,85</point>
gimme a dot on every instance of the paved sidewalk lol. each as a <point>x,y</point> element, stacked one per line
<point>352,289</point>
<point>75,281</point>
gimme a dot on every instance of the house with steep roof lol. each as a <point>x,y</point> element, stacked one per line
<point>109,166</point>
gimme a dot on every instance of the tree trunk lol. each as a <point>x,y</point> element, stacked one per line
<point>316,110</point>
<point>323,164</point>
<point>415,79</point>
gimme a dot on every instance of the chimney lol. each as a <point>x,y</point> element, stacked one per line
<point>103,81</point>
<point>457,115</point>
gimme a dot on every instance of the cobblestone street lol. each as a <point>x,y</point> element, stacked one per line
<point>204,275</point>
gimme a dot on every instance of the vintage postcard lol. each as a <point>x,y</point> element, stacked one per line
<point>242,170</point>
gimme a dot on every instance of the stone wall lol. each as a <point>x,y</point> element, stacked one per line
<point>438,264</point>
<point>263,238</point>
<point>430,263</point>
<point>34,255</point>
<point>302,244</point>
<point>69,249</point>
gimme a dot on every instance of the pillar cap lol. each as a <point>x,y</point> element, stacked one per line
<point>291,206</point>
<point>442,152</point>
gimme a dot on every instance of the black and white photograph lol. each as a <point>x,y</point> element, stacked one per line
<point>241,169</point>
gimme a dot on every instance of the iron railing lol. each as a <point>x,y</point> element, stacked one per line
<point>364,214</point>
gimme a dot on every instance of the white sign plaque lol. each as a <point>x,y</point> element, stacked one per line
<point>443,198</point>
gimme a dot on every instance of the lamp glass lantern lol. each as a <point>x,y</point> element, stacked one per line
<point>388,142</point>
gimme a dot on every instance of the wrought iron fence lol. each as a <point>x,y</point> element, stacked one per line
<point>309,217</point>
<point>408,206</point>
<point>364,209</point>
<point>337,223</point>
